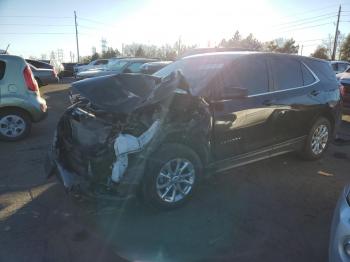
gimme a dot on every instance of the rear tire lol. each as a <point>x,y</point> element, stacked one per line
<point>318,139</point>
<point>172,176</point>
<point>40,84</point>
<point>14,125</point>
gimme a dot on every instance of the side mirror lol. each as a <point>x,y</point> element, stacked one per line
<point>233,92</point>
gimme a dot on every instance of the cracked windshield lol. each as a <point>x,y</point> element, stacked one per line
<point>149,130</point>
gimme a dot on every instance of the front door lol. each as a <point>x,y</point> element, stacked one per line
<point>243,125</point>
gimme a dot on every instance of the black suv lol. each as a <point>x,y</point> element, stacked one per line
<point>162,134</point>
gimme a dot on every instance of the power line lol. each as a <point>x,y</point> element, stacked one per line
<point>308,22</point>
<point>35,16</point>
<point>311,11</point>
<point>32,25</point>
<point>311,40</point>
<point>306,27</point>
<point>309,18</point>
<point>34,33</point>
<point>88,27</point>
<point>92,21</point>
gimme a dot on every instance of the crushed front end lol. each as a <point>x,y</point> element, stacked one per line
<point>102,142</point>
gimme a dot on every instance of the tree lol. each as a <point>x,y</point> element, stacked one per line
<point>95,56</point>
<point>110,53</point>
<point>250,42</point>
<point>321,52</point>
<point>345,49</point>
<point>282,46</point>
<point>140,52</point>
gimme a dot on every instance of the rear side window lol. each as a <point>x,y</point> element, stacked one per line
<point>250,73</point>
<point>307,76</point>
<point>2,69</point>
<point>135,67</point>
<point>335,66</point>
<point>286,73</point>
<point>342,67</point>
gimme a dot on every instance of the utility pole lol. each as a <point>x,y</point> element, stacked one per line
<point>336,35</point>
<point>76,33</point>
<point>301,50</point>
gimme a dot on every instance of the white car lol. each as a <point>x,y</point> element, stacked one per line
<point>96,64</point>
<point>339,66</point>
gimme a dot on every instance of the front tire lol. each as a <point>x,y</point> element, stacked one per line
<point>14,125</point>
<point>172,176</point>
<point>318,139</point>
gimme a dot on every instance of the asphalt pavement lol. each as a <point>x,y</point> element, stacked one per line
<point>278,209</point>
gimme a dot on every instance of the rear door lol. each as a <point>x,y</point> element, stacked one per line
<point>2,77</point>
<point>294,97</point>
<point>244,125</point>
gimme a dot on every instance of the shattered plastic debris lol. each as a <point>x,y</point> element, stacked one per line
<point>324,173</point>
<point>126,144</point>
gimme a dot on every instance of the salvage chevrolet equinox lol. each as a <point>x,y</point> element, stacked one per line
<point>162,134</point>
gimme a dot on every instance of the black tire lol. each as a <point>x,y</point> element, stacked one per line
<point>23,117</point>
<point>40,84</point>
<point>169,152</point>
<point>308,153</point>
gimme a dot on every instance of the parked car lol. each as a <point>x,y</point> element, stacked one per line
<point>57,65</point>
<point>202,114</point>
<point>117,66</point>
<point>20,100</point>
<point>44,76</point>
<point>152,67</point>
<point>339,66</point>
<point>68,69</point>
<point>339,245</point>
<point>344,79</point>
<point>96,64</point>
<point>75,68</point>
<point>39,64</point>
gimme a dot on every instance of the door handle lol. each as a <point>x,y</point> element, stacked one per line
<point>269,102</point>
<point>315,92</point>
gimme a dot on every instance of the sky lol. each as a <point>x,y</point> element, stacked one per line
<point>36,27</point>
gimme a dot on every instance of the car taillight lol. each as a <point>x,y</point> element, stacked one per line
<point>342,90</point>
<point>31,83</point>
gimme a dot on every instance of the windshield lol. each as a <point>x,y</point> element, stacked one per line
<point>117,65</point>
<point>198,70</point>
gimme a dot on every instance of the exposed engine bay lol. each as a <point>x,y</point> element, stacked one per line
<point>107,136</point>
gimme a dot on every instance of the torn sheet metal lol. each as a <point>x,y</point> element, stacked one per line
<point>126,144</point>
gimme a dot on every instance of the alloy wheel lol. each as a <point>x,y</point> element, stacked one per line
<point>12,126</point>
<point>319,139</point>
<point>175,180</point>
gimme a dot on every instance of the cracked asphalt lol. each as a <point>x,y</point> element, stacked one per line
<point>279,209</point>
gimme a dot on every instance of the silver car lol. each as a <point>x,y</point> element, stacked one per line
<point>339,246</point>
<point>44,76</point>
<point>117,66</point>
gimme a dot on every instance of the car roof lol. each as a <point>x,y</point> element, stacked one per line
<point>155,63</point>
<point>340,61</point>
<point>235,54</point>
<point>11,57</point>
<point>138,59</point>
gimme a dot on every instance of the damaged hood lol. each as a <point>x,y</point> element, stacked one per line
<point>124,93</point>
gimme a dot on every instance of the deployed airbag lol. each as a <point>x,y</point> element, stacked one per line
<point>126,144</point>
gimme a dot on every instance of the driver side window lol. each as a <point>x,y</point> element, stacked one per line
<point>250,73</point>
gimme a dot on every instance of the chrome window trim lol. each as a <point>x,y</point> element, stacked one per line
<point>293,88</point>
